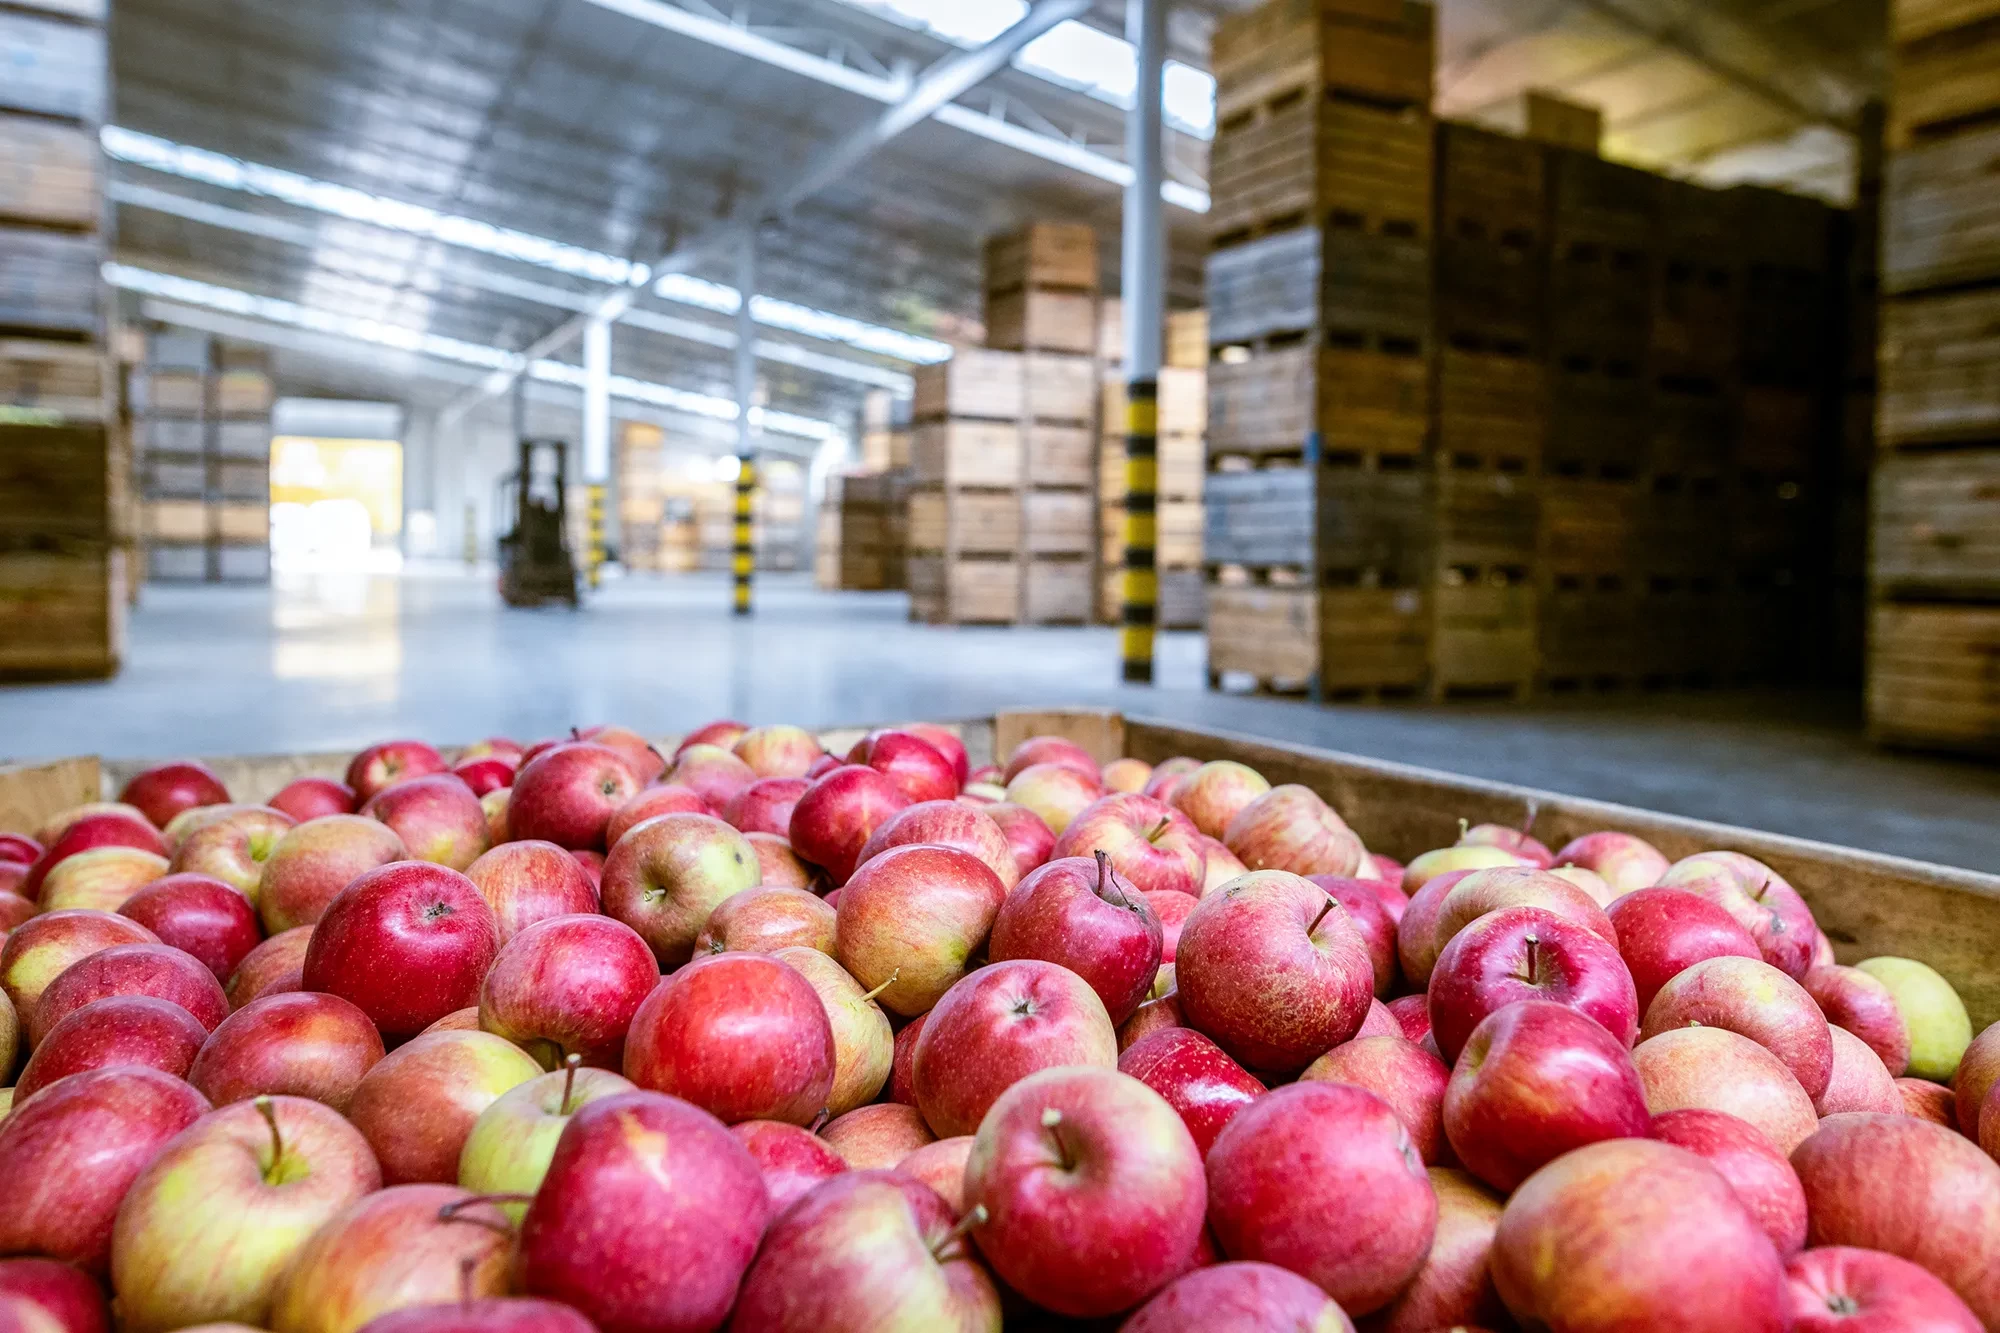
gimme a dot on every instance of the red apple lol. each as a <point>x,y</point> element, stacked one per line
<point>1632,1234</point>
<point>793,1160</point>
<point>70,1154</point>
<point>1719,1070</point>
<point>1204,1086</point>
<point>1166,776</point>
<point>664,1170</point>
<point>20,849</point>
<point>407,944</point>
<point>712,773</point>
<point>61,1290</point>
<point>1091,1187</point>
<point>879,1137</point>
<point>1410,1079</point>
<point>996,1027</point>
<point>314,861</point>
<point>659,799</point>
<point>416,1106</point>
<point>253,1182</point>
<point>639,754</point>
<point>913,918</point>
<point>1391,871</point>
<point>947,743</point>
<point>837,815</point>
<point>1590,882</point>
<point>1149,842</point>
<point>766,919</point>
<point>499,747</point>
<point>438,818</point>
<point>101,879</point>
<point>781,751</point>
<point>1663,932</point>
<point>14,909</point>
<point>530,881</point>
<point>765,806</point>
<point>568,985</point>
<point>234,847</point>
<point>1412,1014</point>
<point>1056,793</point>
<point>1536,1080</point>
<point>1760,900</point>
<point>131,969</point>
<point>778,866</point>
<point>165,790</point>
<point>199,915</point>
<point>1213,794</point>
<point>1172,908</point>
<point>1627,863</point>
<point>567,795</point>
<point>1515,840</point>
<point>1049,750</point>
<point>1367,915</point>
<point>40,949</point>
<point>268,965</point>
<point>1248,1297</point>
<point>1150,1017</point>
<point>1762,1179</point>
<point>1291,828</point>
<point>312,798</point>
<point>1417,944</point>
<point>1927,1101</point>
<point>1978,1070</point>
<point>1911,1189</point>
<point>500,1314</point>
<point>52,828</point>
<point>114,826</point>
<point>1322,1179</point>
<point>722,732</point>
<point>668,874</point>
<point>947,824</point>
<point>1444,860</point>
<point>1454,1288</point>
<point>1486,891</point>
<point>902,1063</point>
<point>1527,953</point>
<point>1859,1081</point>
<point>381,766</point>
<point>116,1030</point>
<point>910,763</point>
<point>294,1044</point>
<point>863,1046</point>
<point>1852,999</point>
<point>1219,865</point>
<point>740,1035</point>
<point>484,775</point>
<point>1273,971</point>
<point>1030,838</point>
<point>1750,997</point>
<point>1840,1289</point>
<point>410,1245</point>
<point>1078,913</point>
<point>941,1165</point>
<point>494,806</point>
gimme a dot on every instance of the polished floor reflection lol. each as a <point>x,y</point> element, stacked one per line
<point>327,662</point>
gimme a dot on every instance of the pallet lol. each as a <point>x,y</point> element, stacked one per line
<point>1934,677</point>
<point>56,488</point>
<point>1360,402</point>
<point>1301,161</point>
<point>1271,635</point>
<point>1936,525</point>
<point>49,174</point>
<point>54,68</point>
<point>60,380</point>
<point>49,282</point>
<point>1037,319</point>
<point>964,591</point>
<point>1043,255</point>
<point>1378,51</point>
<point>1492,408</point>
<point>1941,369</point>
<point>64,611</point>
<point>1944,83</point>
<point>1483,636</point>
<point>1941,216</point>
<point>1598,419</point>
<point>1057,591</point>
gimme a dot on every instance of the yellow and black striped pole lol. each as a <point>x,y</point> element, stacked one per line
<point>743,562</point>
<point>594,524</point>
<point>1142,487</point>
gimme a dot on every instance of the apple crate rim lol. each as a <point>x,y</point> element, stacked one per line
<point>1867,903</point>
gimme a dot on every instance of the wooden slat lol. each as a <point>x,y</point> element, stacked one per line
<point>1941,368</point>
<point>30,794</point>
<point>1941,214</point>
<point>1914,20</point>
<point>1936,527</point>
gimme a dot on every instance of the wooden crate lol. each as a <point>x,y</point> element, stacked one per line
<point>49,281</point>
<point>1693,428</point>
<point>1177,545</point>
<point>1182,404</point>
<point>1492,409</point>
<point>1057,590</point>
<point>1373,527</point>
<point>964,590</point>
<point>1058,453</point>
<point>1058,387</point>
<point>1058,523</point>
<point>1359,403</point>
<point>1186,337</point>
<point>67,380</point>
<point>55,486</point>
<point>1260,518</point>
<point>1485,522</point>
<point>64,612</point>
<point>1374,643</point>
<point>1940,379</point>
<point>1586,628</point>
<point>976,382</point>
<point>1270,635</point>
<point>1941,215</point>
<point>1483,638</point>
<point>1302,161</point>
<point>1560,123</point>
<point>1934,677</point>
<point>1698,302</point>
<point>1493,236</point>
<point>1183,603</point>
<point>885,449</point>
<point>1679,526</point>
<point>54,68</point>
<point>967,453</point>
<point>1936,524</point>
<point>1599,202</point>
<point>1588,526</point>
<point>1043,254</point>
<point>1267,288</point>
<point>1380,51</point>
<point>1914,20</point>
<point>49,174</point>
<point>1944,81</point>
<point>1181,464</point>
<point>962,522</point>
<point>1598,418</point>
<point>1377,291</point>
<point>1039,320</point>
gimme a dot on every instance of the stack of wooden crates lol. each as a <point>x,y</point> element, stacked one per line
<point>64,509</point>
<point>864,512</point>
<point>1183,426</point>
<point>202,425</point>
<point>1319,316</point>
<point>1934,644</point>
<point>1002,522</point>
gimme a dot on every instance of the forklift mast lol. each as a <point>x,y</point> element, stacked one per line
<point>536,565</point>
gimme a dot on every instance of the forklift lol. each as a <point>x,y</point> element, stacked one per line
<point>536,566</point>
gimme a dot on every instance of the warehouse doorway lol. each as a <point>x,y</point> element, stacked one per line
<point>336,505</point>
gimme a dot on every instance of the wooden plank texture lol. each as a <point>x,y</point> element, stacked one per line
<point>1937,524</point>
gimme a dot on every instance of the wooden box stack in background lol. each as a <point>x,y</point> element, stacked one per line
<point>1319,300</point>
<point>1183,423</point>
<point>642,498</point>
<point>202,426</point>
<point>1934,639</point>
<point>885,431</point>
<point>64,465</point>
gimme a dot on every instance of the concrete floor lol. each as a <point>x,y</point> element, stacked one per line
<point>321,663</point>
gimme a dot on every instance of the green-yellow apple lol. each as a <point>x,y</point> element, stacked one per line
<point>1939,1028</point>
<point>668,874</point>
<point>511,1143</point>
<point>863,1045</point>
<point>417,1105</point>
<point>234,846</point>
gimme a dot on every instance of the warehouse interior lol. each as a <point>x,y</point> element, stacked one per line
<point>286,290</point>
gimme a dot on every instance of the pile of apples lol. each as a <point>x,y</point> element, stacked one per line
<point>586,1036</point>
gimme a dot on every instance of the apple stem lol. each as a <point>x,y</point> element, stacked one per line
<point>571,1063</point>
<point>1052,1122</point>
<point>1166,822</point>
<point>1464,827</point>
<point>270,1114</point>
<point>450,1212</point>
<point>1106,874</point>
<point>1528,824</point>
<point>466,1267</point>
<point>1331,903</point>
<point>975,1218</point>
<point>869,995</point>
<point>819,1121</point>
<point>1534,943</point>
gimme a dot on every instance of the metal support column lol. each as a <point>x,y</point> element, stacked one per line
<point>596,438</point>
<point>743,562</point>
<point>1145,277</point>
